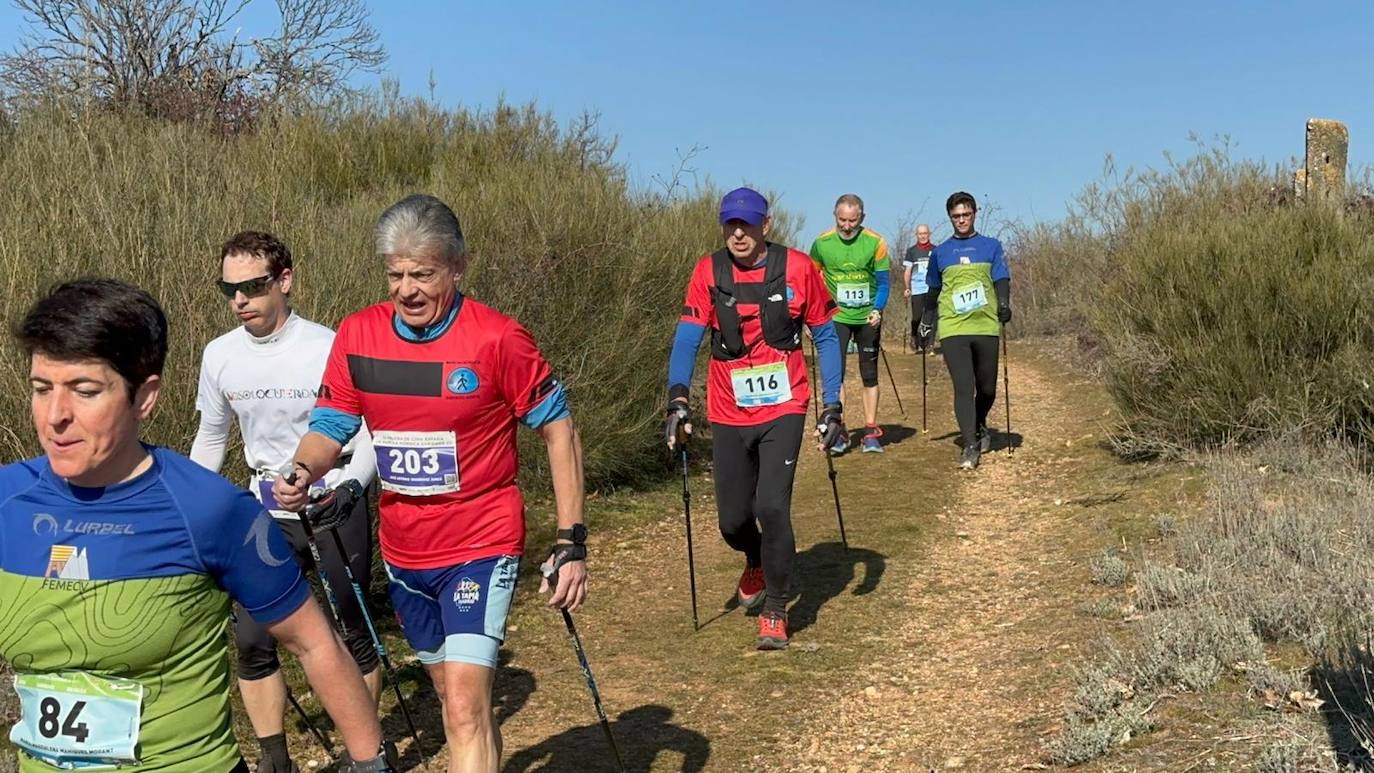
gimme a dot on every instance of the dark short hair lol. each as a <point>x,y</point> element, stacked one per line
<point>259,244</point>
<point>98,319</point>
<point>960,197</point>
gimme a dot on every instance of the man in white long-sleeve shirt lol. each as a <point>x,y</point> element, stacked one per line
<point>267,373</point>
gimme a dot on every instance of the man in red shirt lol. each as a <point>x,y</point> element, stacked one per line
<point>442,382</point>
<point>754,297</point>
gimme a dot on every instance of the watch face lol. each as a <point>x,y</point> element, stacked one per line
<point>579,534</point>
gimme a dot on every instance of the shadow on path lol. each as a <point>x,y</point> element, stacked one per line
<point>642,734</point>
<point>822,572</point>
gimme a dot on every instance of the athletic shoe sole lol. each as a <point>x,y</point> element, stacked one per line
<point>769,643</point>
<point>750,602</point>
<point>873,449</point>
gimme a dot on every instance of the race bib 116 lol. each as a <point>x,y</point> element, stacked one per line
<point>761,385</point>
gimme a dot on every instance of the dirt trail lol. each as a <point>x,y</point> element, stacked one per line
<point>940,639</point>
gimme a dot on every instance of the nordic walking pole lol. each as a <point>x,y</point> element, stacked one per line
<point>892,380</point>
<point>1006,393</point>
<point>377,644</point>
<point>315,731</point>
<point>691,562</point>
<point>829,463</point>
<point>924,383</point>
<point>319,566</point>
<point>591,685</point>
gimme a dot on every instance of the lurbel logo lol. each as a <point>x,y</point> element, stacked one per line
<point>462,381</point>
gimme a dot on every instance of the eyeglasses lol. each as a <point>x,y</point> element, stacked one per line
<point>251,288</point>
<point>961,215</point>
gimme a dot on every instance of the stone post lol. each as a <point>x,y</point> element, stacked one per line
<point>1328,143</point>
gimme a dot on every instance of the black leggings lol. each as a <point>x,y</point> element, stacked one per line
<point>257,649</point>
<point>918,307</point>
<point>754,469</point>
<point>867,337</point>
<point>972,363</point>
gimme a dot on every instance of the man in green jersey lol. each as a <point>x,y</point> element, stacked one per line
<point>970,296</point>
<point>118,561</point>
<point>854,262</point>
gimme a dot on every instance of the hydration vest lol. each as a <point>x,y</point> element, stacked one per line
<point>780,330</point>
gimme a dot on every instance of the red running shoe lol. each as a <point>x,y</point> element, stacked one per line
<point>772,631</point>
<point>751,587</point>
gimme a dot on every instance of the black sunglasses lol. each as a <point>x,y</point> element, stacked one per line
<point>251,288</point>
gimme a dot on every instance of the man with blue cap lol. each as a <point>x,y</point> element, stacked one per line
<point>755,296</point>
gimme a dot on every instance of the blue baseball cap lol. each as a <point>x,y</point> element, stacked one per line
<point>744,204</point>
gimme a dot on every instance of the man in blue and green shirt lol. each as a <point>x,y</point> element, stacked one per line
<point>970,295</point>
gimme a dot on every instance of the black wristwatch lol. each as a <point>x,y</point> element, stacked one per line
<point>577,534</point>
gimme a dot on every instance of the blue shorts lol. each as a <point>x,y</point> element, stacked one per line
<point>455,613</point>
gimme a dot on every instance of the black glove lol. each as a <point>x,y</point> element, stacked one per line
<point>1003,313</point>
<point>831,425</point>
<point>926,330</point>
<point>677,425</point>
<point>332,507</point>
<point>560,555</point>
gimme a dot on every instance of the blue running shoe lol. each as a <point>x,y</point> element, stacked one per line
<point>871,445</point>
<point>841,445</point>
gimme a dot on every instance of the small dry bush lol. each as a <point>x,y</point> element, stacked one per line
<point>1279,554</point>
<point>1110,569</point>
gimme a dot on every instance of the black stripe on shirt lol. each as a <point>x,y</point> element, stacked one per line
<point>396,377</point>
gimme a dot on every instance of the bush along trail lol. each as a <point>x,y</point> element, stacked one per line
<point>944,637</point>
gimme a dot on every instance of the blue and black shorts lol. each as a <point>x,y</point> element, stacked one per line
<point>456,613</point>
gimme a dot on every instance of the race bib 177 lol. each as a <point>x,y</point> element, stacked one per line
<point>969,298</point>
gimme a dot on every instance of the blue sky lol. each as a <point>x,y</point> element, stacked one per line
<point>902,103</point>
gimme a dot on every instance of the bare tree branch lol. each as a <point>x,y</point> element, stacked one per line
<point>177,56</point>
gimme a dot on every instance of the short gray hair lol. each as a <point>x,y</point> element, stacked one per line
<point>851,199</point>
<point>420,225</point>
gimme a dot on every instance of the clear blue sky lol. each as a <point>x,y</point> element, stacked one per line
<point>900,102</point>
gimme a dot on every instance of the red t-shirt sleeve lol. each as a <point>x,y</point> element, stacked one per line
<point>820,307</point>
<point>337,391</point>
<point>698,309</point>
<point>524,375</point>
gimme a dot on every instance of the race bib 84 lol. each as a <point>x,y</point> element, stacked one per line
<point>78,721</point>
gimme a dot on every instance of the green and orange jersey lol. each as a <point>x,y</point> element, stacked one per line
<point>851,268</point>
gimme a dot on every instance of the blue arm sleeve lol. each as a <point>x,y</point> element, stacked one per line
<point>554,407</point>
<point>828,353</point>
<point>335,424</point>
<point>933,272</point>
<point>884,287</point>
<point>683,359</point>
<point>999,264</point>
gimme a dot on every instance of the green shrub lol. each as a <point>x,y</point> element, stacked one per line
<point>1219,310</point>
<point>559,239</point>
